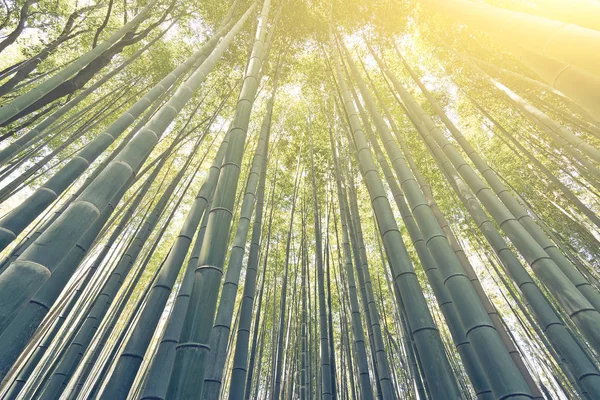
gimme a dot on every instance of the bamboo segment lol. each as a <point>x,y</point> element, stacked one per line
<point>72,356</point>
<point>17,334</point>
<point>561,135</point>
<point>239,370</point>
<point>375,336</point>
<point>448,308</point>
<point>577,84</point>
<point>531,158</point>
<point>278,356</point>
<point>23,140</point>
<point>162,362</point>
<point>581,365</point>
<point>326,378</point>
<point>357,329</point>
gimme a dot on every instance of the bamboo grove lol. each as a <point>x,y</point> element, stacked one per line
<point>300,199</point>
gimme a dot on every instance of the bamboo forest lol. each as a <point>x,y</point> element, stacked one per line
<point>299,199</point>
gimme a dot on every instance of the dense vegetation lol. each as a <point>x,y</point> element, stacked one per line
<point>304,199</point>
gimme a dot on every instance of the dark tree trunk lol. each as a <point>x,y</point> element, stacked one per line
<point>10,39</point>
<point>103,25</point>
<point>24,68</point>
<point>80,79</point>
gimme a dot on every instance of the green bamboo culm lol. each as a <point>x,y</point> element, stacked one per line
<point>462,258</point>
<point>377,353</point>
<point>30,173</point>
<point>582,151</point>
<point>278,354</point>
<point>518,147</point>
<point>578,362</point>
<point>478,379</point>
<point>162,363</point>
<point>252,194</point>
<point>222,326</point>
<point>189,368</point>
<point>70,359</point>
<point>89,179</point>
<point>552,53</point>
<point>373,319</point>
<point>356,320</point>
<point>441,377</point>
<point>304,377</point>
<point>18,333</point>
<point>28,273</point>
<point>326,378</point>
<point>242,371</point>
<point>92,361</point>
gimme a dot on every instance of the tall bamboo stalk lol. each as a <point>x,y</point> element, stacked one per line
<point>326,377</point>
<point>189,369</point>
<point>503,375</point>
<point>357,329</point>
<point>222,326</point>
<point>279,350</point>
<point>242,369</point>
